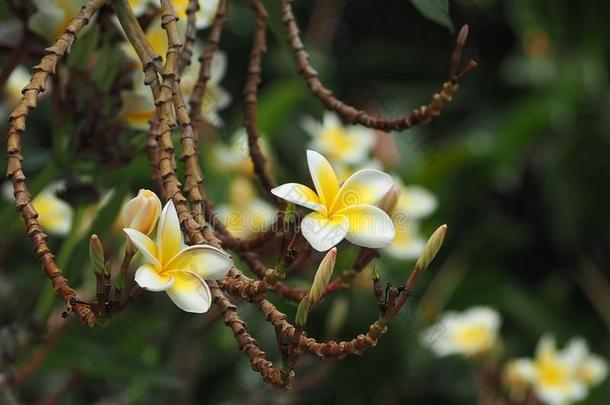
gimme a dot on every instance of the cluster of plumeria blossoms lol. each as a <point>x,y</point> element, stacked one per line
<point>167,264</point>
<point>556,377</point>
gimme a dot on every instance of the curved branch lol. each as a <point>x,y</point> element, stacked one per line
<point>16,129</point>
<point>351,114</point>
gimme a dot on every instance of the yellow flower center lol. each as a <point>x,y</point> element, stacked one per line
<point>552,374</point>
<point>475,337</point>
<point>337,142</point>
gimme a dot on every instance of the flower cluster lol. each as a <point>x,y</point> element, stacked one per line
<point>554,376</point>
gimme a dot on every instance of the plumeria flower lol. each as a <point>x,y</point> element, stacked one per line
<point>341,144</point>
<point>236,156</point>
<point>470,333</point>
<point>138,105</point>
<point>18,79</point>
<point>245,215</point>
<point>590,368</point>
<point>413,203</point>
<point>54,214</point>
<point>170,266</point>
<point>53,16</point>
<point>341,210</point>
<point>553,374</point>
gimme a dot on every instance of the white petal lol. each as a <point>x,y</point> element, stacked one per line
<point>147,277</point>
<point>363,140</point>
<point>300,195</point>
<point>190,293</point>
<point>55,215</point>
<point>369,226</point>
<point>169,234</point>
<point>416,202</point>
<point>323,176</point>
<point>367,186</point>
<point>323,233</point>
<point>407,243</point>
<point>137,109</point>
<point>206,261</point>
<point>145,246</point>
<point>47,21</point>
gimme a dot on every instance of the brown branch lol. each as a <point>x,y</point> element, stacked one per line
<point>351,114</point>
<point>247,344</point>
<point>259,47</point>
<point>186,53</point>
<point>36,86</point>
<point>205,67</point>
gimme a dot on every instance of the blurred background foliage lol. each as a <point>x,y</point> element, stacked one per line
<point>519,164</point>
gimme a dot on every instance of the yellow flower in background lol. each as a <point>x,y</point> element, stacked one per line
<point>53,16</point>
<point>341,211</point>
<point>236,156</point>
<point>469,333</point>
<point>590,368</point>
<point>138,105</point>
<point>413,204</point>
<point>139,7</point>
<point>11,93</point>
<point>54,214</point>
<point>170,266</point>
<point>245,215</point>
<point>341,144</point>
<point>142,212</point>
<point>552,374</point>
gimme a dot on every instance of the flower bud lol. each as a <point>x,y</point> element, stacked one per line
<point>432,247</point>
<point>322,277</point>
<point>142,212</point>
<point>302,313</point>
<point>96,253</point>
<point>390,199</point>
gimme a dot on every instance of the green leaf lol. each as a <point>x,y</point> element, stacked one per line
<point>435,10</point>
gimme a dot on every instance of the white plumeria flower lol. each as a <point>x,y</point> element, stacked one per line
<point>245,215</point>
<point>11,92</point>
<point>470,333</point>
<point>236,156</point>
<point>171,266</point>
<point>341,211</point>
<point>590,368</point>
<point>552,374</point>
<point>341,144</point>
<point>53,16</point>
<point>414,203</point>
<point>138,105</point>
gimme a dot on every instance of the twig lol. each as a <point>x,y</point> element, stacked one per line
<point>351,114</point>
<point>23,199</point>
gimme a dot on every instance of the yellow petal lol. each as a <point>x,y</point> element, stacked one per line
<point>169,234</point>
<point>145,246</point>
<point>367,186</point>
<point>55,215</point>
<point>300,195</point>
<point>148,278</point>
<point>323,176</point>
<point>190,293</point>
<point>206,261</point>
<point>369,226</point>
<point>324,233</point>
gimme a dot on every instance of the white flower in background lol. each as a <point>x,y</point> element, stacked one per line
<point>341,211</point>
<point>236,156</point>
<point>470,333</point>
<point>552,374</point>
<point>245,215</point>
<point>341,144</point>
<point>139,7</point>
<point>171,266</point>
<point>11,93</point>
<point>414,203</point>
<point>138,105</point>
<point>590,368</point>
<point>215,98</point>
<point>54,214</point>
<point>53,16</point>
